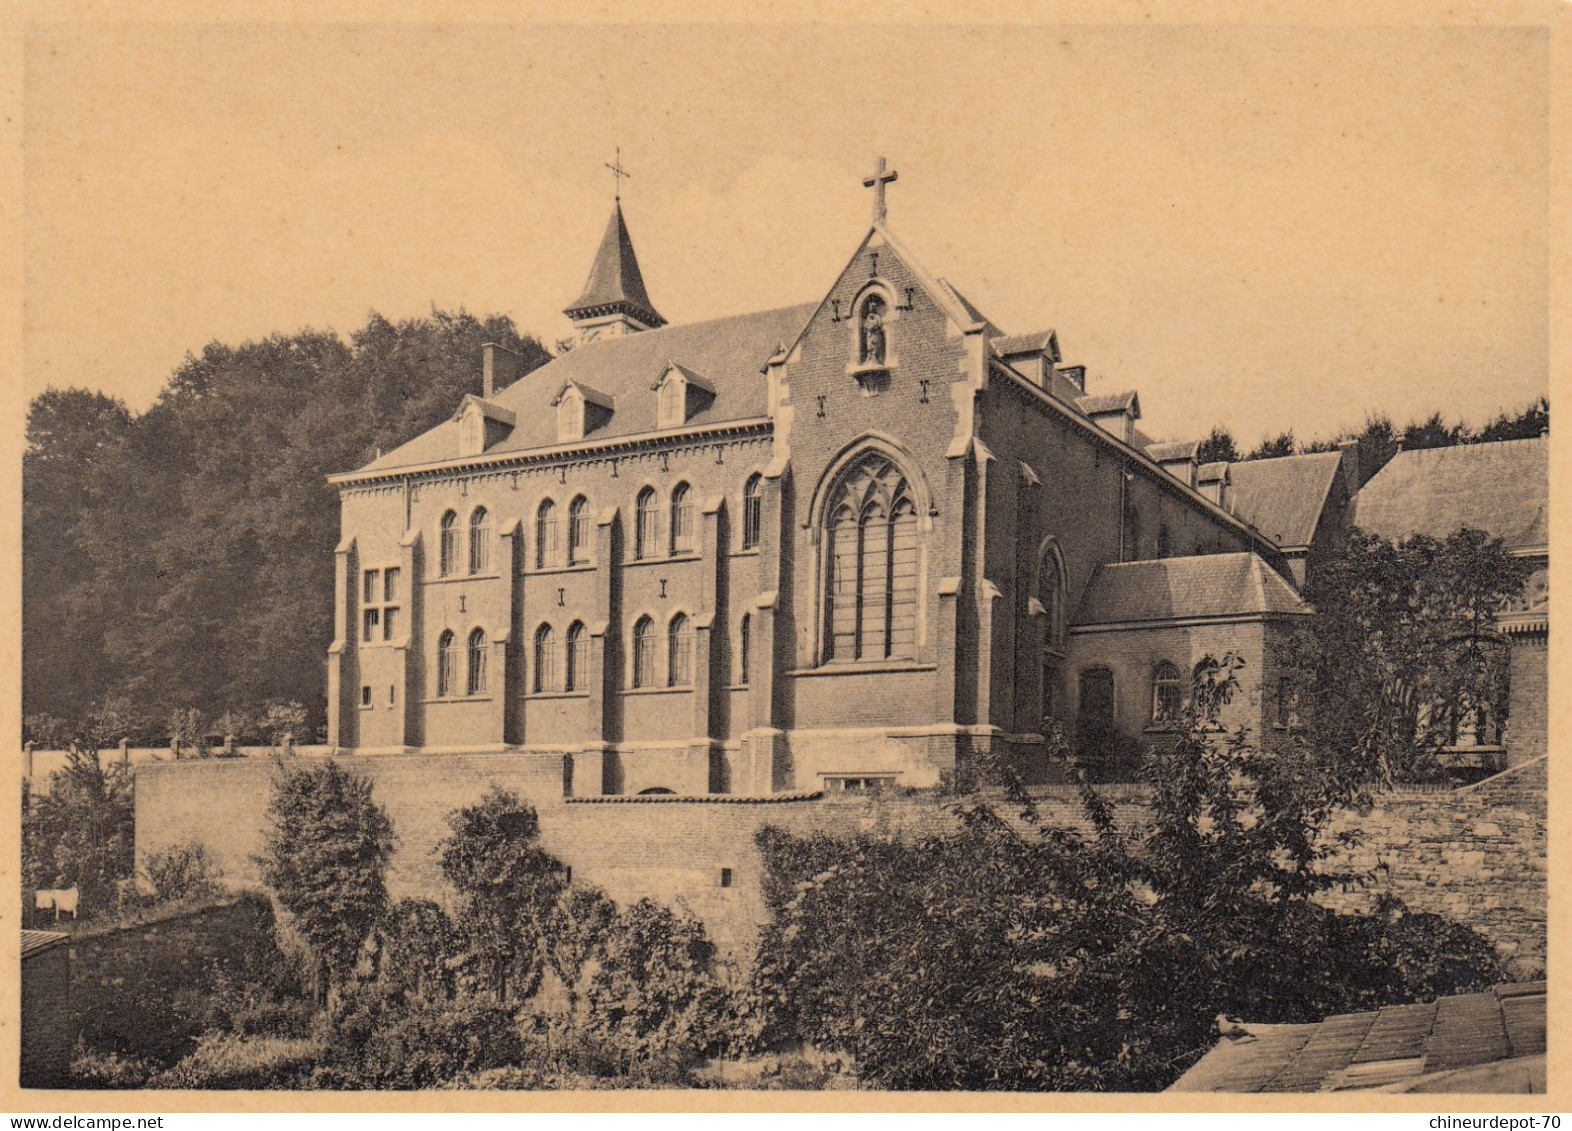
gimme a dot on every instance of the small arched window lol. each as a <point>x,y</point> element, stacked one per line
<point>448,557</point>
<point>752,511</point>
<point>679,652</point>
<point>546,535</point>
<point>744,646</point>
<point>578,531</point>
<point>476,684</point>
<point>1167,693</point>
<point>683,537</point>
<point>545,659</point>
<point>646,527</point>
<point>578,658</point>
<point>479,540</point>
<point>448,660</point>
<point>644,653</point>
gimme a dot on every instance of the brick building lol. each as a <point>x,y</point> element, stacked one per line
<point>829,546</point>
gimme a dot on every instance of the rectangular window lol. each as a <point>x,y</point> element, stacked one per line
<point>365,695</point>
<point>859,784</point>
<point>725,878</point>
<point>392,694</point>
<point>379,605</point>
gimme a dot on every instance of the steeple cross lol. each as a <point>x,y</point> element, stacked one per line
<point>618,172</point>
<point>877,182</point>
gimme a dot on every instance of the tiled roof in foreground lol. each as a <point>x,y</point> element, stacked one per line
<point>1485,1042</point>
<point>36,942</point>
<point>1208,585</point>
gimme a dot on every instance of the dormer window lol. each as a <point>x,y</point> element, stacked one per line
<point>580,410</point>
<point>481,424</point>
<point>570,418</point>
<point>680,394</point>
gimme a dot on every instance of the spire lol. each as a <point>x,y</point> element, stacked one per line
<point>614,296</point>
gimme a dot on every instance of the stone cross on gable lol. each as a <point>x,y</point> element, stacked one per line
<point>876,182</point>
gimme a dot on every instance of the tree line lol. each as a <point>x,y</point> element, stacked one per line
<point>178,563</point>
<point>1379,439</point>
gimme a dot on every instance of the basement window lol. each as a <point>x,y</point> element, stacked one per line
<point>858,783</point>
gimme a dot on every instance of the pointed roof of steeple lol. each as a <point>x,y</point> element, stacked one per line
<point>615,283</point>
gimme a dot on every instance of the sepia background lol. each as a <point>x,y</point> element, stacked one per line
<point>1354,218</point>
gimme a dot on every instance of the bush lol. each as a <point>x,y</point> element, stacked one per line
<point>91,1068</point>
<point>381,1038</point>
<point>224,1060</point>
<point>139,1027</point>
<point>183,871</point>
<point>651,1005</point>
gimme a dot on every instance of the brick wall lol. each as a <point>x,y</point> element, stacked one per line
<point>1528,721</point>
<point>1476,854</point>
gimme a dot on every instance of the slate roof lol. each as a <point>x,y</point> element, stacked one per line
<point>1431,1047</point>
<point>36,942</point>
<point>615,280</point>
<point>1041,341</point>
<point>1109,402</point>
<point>1501,488</point>
<point>729,352</point>
<point>1208,585</point>
<point>1284,498</point>
<point>1174,450</point>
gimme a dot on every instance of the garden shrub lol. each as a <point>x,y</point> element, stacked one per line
<point>229,1061</point>
<point>382,1038</point>
<point>183,871</point>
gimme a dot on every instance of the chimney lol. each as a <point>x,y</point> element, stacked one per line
<point>1350,450</point>
<point>499,368</point>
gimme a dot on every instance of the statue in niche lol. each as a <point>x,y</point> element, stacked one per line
<point>871,332</point>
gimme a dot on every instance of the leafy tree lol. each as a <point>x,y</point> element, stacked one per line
<point>1533,421</point>
<point>1433,433</point>
<point>185,556</point>
<point>1018,955</point>
<point>72,438</point>
<point>1280,445</point>
<point>1219,447</point>
<point>1403,649</point>
<point>652,999</point>
<point>82,833</point>
<point>325,854</point>
<point>508,886</point>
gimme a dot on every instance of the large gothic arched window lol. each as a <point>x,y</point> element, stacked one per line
<point>871,564</point>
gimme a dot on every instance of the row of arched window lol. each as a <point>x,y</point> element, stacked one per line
<point>661,527</point>
<point>570,670</point>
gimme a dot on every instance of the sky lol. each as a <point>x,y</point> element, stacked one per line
<point>1268,228</point>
